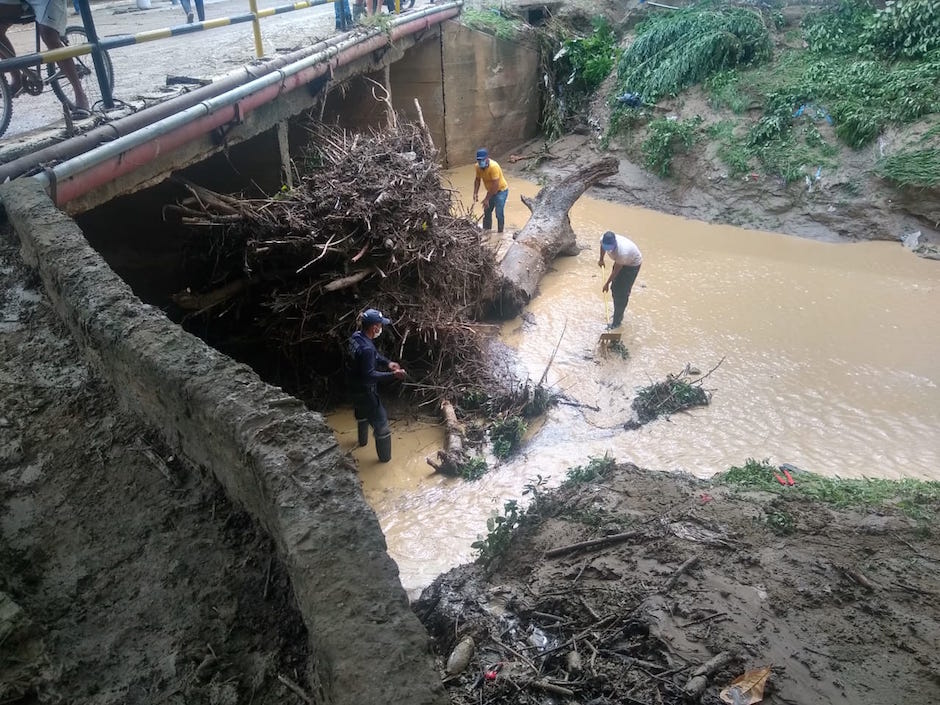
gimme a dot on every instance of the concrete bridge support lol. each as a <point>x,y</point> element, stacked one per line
<point>279,461</point>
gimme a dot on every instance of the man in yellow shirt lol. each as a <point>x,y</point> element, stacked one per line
<point>497,190</point>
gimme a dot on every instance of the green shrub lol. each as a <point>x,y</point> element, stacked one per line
<point>840,30</point>
<point>664,138</point>
<point>500,529</point>
<point>908,29</point>
<point>678,49</point>
<point>506,436</point>
<point>596,469</point>
<point>589,60</point>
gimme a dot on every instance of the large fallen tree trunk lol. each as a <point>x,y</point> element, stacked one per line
<point>547,235</point>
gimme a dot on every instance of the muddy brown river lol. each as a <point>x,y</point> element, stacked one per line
<point>828,359</point>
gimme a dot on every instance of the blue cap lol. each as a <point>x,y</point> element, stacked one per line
<point>482,156</point>
<point>609,241</point>
<point>371,317</point>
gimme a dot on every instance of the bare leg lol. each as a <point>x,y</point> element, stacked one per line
<point>53,41</point>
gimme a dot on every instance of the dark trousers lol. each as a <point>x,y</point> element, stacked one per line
<point>368,407</point>
<point>620,289</point>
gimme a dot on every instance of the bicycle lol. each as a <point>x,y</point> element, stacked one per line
<point>33,83</point>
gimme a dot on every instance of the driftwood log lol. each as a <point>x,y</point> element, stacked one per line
<point>546,235</point>
<point>450,460</point>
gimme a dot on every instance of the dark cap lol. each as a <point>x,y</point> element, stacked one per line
<point>482,155</point>
<point>371,317</point>
<point>609,241</point>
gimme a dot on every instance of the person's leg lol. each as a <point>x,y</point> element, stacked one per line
<point>338,15</point>
<point>383,434</point>
<point>488,214</point>
<point>501,209</point>
<point>52,40</point>
<point>620,289</point>
<point>201,10</point>
<point>8,52</point>
<point>187,7</point>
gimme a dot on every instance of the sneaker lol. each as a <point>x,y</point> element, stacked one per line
<point>189,18</point>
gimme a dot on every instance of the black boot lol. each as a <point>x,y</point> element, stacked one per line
<point>363,428</point>
<point>383,446</point>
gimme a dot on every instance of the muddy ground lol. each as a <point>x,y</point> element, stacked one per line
<point>125,575</point>
<point>842,606</point>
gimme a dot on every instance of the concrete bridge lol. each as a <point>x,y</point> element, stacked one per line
<point>272,456</point>
<point>473,89</point>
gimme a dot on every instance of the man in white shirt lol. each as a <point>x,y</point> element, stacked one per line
<point>626,260</point>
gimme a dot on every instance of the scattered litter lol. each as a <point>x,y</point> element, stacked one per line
<point>460,657</point>
<point>813,111</point>
<point>746,689</point>
<point>631,100</point>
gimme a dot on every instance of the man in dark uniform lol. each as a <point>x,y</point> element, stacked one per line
<point>366,367</point>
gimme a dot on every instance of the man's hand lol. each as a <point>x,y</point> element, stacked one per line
<point>486,202</point>
<point>476,197</point>
<point>399,373</point>
<point>606,286</point>
<point>393,367</point>
<point>600,263</point>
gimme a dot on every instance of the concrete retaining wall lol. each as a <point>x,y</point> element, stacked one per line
<point>279,461</point>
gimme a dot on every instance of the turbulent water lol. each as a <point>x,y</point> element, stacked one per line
<point>824,356</point>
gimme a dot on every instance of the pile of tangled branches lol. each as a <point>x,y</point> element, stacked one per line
<point>370,224</point>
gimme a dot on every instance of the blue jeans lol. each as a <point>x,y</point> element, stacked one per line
<point>343,15</point>
<point>498,203</point>
<point>200,9</point>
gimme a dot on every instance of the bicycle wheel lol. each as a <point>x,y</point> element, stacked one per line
<point>85,67</point>
<point>6,104</point>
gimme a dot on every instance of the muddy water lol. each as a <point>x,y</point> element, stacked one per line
<point>828,360</point>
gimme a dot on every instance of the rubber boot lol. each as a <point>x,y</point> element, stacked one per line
<point>383,446</point>
<point>363,428</point>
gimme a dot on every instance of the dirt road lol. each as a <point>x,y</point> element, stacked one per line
<point>141,70</point>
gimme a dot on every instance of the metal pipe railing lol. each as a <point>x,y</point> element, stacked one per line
<point>123,40</point>
<point>217,109</point>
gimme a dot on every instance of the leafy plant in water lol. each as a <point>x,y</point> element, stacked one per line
<point>506,436</point>
<point>499,534</point>
<point>678,49</point>
<point>595,469</point>
<point>664,138</point>
<point>473,469</point>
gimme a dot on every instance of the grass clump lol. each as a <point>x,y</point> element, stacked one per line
<point>679,49</point>
<point>915,498</point>
<point>664,139</point>
<point>919,168</point>
<point>595,469</point>
<point>491,20</point>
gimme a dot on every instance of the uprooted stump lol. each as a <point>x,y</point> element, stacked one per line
<point>546,235</point>
<point>676,393</point>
